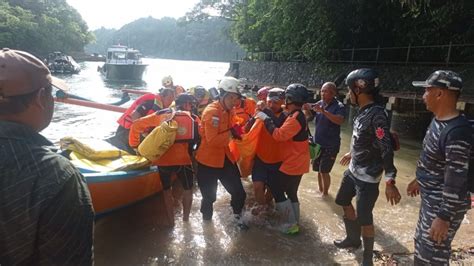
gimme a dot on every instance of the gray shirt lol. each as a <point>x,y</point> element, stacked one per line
<point>46,214</point>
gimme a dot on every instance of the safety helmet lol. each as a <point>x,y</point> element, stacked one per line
<point>198,91</point>
<point>366,79</point>
<point>167,81</point>
<point>296,93</point>
<point>263,92</point>
<point>229,84</point>
<point>184,98</point>
<point>276,94</point>
<point>166,91</point>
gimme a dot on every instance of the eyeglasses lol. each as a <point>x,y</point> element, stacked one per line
<point>275,94</point>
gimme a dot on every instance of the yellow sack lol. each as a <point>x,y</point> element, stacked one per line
<point>92,149</point>
<point>159,140</point>
<point>125,162</point>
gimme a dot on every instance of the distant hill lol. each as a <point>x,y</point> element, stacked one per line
<point>168,38</point>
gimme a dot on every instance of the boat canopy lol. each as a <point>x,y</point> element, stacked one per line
<point>119,54</point>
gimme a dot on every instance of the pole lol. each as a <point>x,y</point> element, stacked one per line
<point>101,106</point>
<point>139,92</point>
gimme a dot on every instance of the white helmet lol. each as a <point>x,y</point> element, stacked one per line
<point>229,84</point>
<point>167,81</point>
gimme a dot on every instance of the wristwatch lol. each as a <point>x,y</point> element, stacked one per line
<point>390,181</point>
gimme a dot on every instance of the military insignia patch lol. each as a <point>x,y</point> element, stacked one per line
<point>379,133</point>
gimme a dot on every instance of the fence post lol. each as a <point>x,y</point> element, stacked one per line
<point>449,53</point>
<point>377,55</point>
<point>352,55</point>
<point>408,54</point>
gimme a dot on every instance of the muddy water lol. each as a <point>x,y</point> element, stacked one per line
<point>139,235</point>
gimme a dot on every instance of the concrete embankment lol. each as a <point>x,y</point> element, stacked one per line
<point>409,115</point>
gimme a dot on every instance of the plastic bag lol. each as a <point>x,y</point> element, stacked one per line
<point>314,150</point>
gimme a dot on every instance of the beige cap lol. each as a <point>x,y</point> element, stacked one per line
<point>22,73</point>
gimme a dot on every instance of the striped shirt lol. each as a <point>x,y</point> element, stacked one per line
<point>444,177</point>
<point>46,214</point>
<point>371,145</point>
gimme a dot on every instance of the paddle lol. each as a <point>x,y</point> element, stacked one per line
<point>64,97</point>
<point>139,92</point>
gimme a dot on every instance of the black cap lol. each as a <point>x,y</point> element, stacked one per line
<point>444,79</point>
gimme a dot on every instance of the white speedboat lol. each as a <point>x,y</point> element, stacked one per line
<point>123,63</point>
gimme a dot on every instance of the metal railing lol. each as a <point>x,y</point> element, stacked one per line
<point>447,54</point>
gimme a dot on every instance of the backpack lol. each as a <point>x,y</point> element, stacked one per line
<point>462,122</point>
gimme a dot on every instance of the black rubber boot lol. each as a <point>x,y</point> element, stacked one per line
<point>352,239</point>
<point>367,260</point>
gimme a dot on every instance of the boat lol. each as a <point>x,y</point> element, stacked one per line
<point>59,63</point>
<point>115,179</point>
<point>111,191</point>
<point>123,64</point>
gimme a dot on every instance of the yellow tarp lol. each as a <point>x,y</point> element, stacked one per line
<point>125,162</point>
<point>92,149</point>
<point>99,155</point>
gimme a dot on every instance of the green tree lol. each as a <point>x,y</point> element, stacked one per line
<point>42,26</point>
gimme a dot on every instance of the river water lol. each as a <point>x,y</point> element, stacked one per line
<point>138,235</point>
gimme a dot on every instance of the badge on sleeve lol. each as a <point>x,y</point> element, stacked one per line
<point>379,133</point>
<point>215,121</point>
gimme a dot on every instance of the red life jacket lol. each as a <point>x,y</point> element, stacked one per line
<point>126,119</point>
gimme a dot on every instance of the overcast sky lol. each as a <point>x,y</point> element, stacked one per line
<point>115,14</point>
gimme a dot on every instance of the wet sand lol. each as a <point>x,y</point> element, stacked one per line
<point>138,235</point>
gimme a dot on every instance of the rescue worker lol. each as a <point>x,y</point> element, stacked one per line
<point>268,156</point>
<point>243,111</point>
<point>167,82</point>
<point>203,98</point>
<point>293,135</point>
<point>144,105</point>
<point>263,93</point>
<point>177,159</point>
<point>371,155</point>
<point>215,161</point>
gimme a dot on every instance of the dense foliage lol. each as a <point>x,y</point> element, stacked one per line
<point>42,26</point>
<point>315,26</point>
<point>169,38</point>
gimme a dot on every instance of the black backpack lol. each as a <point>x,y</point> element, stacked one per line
<point>461,122</point>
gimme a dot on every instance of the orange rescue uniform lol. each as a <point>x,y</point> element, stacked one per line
<point>295,153</point>
<point>244,111</point>
<point>268,149</point>
<point>215,136</point>
<point>178,153</point>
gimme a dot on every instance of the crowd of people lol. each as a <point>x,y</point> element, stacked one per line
<point>46,211</point>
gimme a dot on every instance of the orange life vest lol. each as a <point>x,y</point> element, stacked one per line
<point>187,128</point>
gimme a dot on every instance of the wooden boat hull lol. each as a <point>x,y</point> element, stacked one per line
<point>116,190</point>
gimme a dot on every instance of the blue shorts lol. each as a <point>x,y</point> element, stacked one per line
<point>261,171</point>
<point>325,161</point>
<point>366,195</point>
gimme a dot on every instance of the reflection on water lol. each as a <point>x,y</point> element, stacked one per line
<point>138,235</point>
